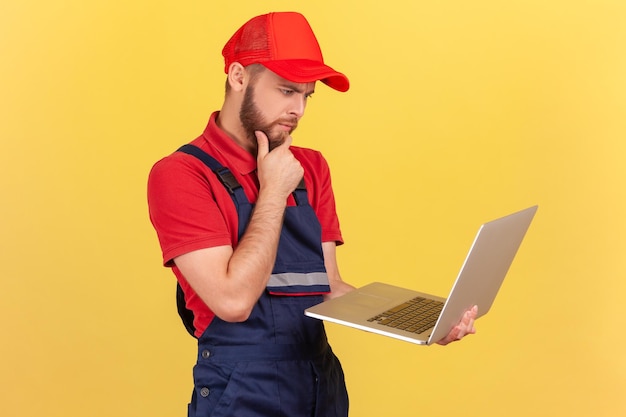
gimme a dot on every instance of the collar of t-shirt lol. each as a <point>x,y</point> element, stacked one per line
<point>238,158</point>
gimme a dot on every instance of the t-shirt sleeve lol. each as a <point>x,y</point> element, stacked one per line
<point>183,207</point>
<point>322,196</point>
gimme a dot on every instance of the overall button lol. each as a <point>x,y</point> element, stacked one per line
<point>204,392</point>
<point>206,354</point>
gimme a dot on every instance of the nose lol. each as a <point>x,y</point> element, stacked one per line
<point>298,105</point>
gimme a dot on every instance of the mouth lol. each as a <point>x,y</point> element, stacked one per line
<point>287,124</point>
<point>288,127</point>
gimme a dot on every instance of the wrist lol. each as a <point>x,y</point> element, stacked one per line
<point>272,197</point>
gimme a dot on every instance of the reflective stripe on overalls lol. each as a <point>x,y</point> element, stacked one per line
<point>278,362</point>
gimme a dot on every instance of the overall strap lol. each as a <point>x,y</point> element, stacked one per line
<point>300,194</point>
<point>244,208</point>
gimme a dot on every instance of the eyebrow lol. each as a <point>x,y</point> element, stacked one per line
<point>295,87</point>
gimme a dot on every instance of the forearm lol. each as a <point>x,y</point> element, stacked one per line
<point>252,261</point>
<point>338,286</point>
<point>228,280</point>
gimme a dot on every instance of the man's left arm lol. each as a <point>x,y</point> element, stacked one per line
<point>337,285</point>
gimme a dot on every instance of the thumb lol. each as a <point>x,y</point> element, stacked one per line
<point>263,144</point>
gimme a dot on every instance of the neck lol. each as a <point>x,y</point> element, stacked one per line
<point>228,120</point>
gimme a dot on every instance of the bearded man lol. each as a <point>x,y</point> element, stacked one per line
<point>247,223</point>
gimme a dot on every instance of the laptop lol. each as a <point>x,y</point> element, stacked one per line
<point>423,318</point>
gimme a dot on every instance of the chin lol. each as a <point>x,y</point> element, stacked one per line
<point>277,140</point>
<point>276,143</point>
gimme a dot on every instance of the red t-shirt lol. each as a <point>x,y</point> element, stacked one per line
<point>191,209</point>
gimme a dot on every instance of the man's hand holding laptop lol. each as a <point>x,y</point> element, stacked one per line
<point>465,327</point>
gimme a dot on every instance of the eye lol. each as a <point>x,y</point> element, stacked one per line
<point>308,96</point>
<point>287,91</point>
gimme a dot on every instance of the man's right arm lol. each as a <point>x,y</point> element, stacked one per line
<point>230,281</point>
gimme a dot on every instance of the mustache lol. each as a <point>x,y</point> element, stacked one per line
<point>288,121</point>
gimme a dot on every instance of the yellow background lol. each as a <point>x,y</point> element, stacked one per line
<point>459,112</point>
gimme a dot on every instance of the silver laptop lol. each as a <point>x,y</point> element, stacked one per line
<point>425,319</point>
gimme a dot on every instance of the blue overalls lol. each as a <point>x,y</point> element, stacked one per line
<point>278,362</point>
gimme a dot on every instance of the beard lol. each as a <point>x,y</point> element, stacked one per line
<point>252,120</point>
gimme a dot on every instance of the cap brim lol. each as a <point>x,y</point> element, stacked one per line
<point>307,71</point>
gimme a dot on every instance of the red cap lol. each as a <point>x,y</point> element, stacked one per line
<point>284,43</point>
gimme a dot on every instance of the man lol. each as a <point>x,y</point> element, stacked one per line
<point>248,225</point>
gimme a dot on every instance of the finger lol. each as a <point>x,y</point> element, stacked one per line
<point>473,315</point>
<point>467,325</point>
<point>464,327</point>
<point>471,326</point>
<point>462,331</point>
<point>263,144</point>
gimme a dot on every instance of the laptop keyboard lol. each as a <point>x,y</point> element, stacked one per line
<point>416,315</point>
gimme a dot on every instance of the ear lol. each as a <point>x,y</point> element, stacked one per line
<point>236,76</point>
